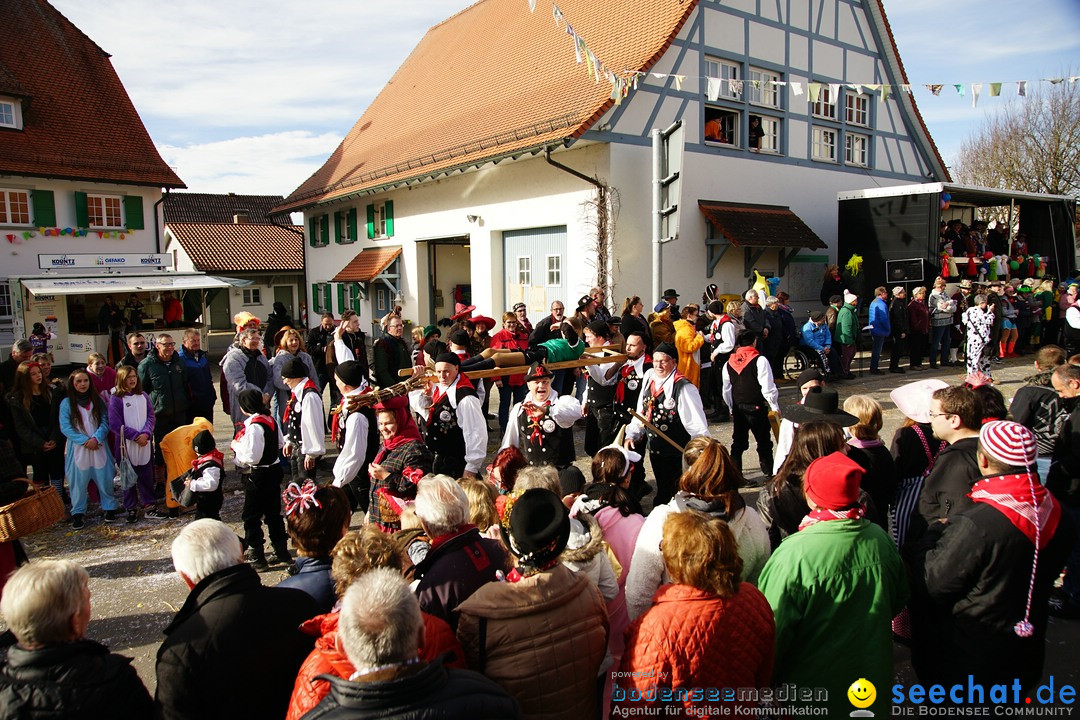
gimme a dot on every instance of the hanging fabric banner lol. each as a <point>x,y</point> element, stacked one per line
<point>935,89</point>
<point>712,89</point>
<point>579,49</point>
<point>796,88</point>
<point>976,88</point>
<point>1021,88</point>
<point>556,13</point>
<point>736,87</point>
<point>959,89</point>
<point>834,91</point>
<point>679,81</point>
<point>995,89</point>
<point>813,91</point>
<point>885,91</point>
<point>855,88</point>
<point>532,5</point>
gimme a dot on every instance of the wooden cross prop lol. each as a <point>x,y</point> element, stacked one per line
<point>623,414</point>
<point>593,356</point>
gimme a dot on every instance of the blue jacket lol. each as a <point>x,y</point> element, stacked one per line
<point>816,336</point>
<point>200,380</point>
<point>879,318</point>
<point>314,579</point>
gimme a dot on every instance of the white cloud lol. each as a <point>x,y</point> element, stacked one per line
<point>273,164</point>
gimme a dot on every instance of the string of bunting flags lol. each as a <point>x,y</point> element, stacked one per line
<point>625,80</point>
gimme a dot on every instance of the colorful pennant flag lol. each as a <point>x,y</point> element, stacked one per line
<point>976,88</point>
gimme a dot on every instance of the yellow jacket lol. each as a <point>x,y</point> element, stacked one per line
<point>688,342</point>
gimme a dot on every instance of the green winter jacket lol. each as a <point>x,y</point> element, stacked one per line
<point>847,325</point>
<point>166,383</point>
<point>834,588</point>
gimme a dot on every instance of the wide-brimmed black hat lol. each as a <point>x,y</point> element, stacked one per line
<point>821,404</point>
<point>538,525</point>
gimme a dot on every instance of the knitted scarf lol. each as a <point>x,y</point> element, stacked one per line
<point>822,515</point>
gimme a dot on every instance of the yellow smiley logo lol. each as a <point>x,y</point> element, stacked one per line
<point>862,693</point>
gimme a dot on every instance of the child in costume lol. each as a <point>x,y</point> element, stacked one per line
<point>978,319</point>
<point>207,472</point>
<point>84,422</point>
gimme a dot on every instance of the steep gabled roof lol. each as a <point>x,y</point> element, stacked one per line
<point>78,121</point>
<point>190,207</point>
<point>244,247</point>
<point>489,81</point>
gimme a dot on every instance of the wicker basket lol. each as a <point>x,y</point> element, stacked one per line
<point>37,510</point>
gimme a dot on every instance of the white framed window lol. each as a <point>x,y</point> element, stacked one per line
<point>554,270</point>
<point>768,141</point>
<point>722,126</point>
<point>380,220</point>
<point>725,71</point>
<point>252,296</point>
<point>825,107</point>
<point>857,109</point>
<point>823,146</point>
<point>351,293</point>
<point>761,89</point>
<point>5,301</point>
<point>856,149</point>
<point>524,270</point>
<point>14,207</point>
<point>10,113</point>
<point>104,211</point>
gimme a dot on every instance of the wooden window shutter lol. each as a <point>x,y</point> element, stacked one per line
<point>328,303</point>
<point>370,222</point>
<point>356,297</point>
<point>324,224</point>
<point>82,212</point>
<point>133,212</point>
<point>313,229</point>
<point>337,227</point>
<point>44,207</point>
<point>341,298</point>
<point>353,236</point>
<point>389,205</point>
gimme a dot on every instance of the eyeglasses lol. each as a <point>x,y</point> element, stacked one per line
<point>168,344</point>
<point>934,415</point>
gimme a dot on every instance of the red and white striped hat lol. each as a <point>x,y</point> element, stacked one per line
<point>1009,443</point>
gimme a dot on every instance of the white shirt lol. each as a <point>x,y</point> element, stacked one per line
<point>312,430</point>
<point>248,450</point>
<point>209,481</point>
<point>599,375</point>
<point>727,339</point>
<point>470,417</point>
<point>691,412</point>
<point>354,449</point>
<point>765,380</point>
<point>564,410</point>
<point>1072,316</point>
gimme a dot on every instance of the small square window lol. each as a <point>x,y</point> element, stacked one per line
<point>856,149</point>
<point>5,300</point>
<point>762,88</point>
<point>721,126</point>
<point>524,271</point>
<point>857,109</point>
<point>825,107</point>
<point>728,73</point>
<point>10,113</point>
<point>104,211</point>
<point>824,144</point>
<point>554,270</point>
<point>14,207</point>
<point>764,134</point>
<point>252,296</point>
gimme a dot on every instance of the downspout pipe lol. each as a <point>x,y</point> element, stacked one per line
<point>157,225</point>
<point>599,186</point>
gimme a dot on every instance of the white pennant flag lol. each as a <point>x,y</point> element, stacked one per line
<point>532,5</point>
<point>834,91</point>
<point>712,90</point>
<point>556,13</point>
<point>1021,88</point>
<point>796,88</point>
<point>976,88</point>
<point>855,87</point>
<point>679,81</point>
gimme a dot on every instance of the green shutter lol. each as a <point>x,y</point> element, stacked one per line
<point>44,207</point>
<point>356,297</point>
<point>133,214</point>
<point>389,218</point>
<point>328,304</point>
<point>352,225</point>
<point>316,297</point>
<point>82,213</point>
<point>370,222</point>
<point>337,227</point>
<point>341,298</point>
<point>313,228</point>
<point>324,225</point>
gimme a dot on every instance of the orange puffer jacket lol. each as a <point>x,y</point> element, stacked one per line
<point>328,658</point>
<point>690,638</point>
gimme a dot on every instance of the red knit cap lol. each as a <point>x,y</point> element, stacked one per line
<point>832,482</point>
<point>1009,443</point>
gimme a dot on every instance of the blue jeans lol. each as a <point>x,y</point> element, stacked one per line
<point>940,338</point>
<point>875,352</point>
<point>507,396</point>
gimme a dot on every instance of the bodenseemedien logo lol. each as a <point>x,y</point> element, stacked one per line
<point>862,695</point>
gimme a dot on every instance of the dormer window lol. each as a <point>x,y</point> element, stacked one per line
<point>10,113</point>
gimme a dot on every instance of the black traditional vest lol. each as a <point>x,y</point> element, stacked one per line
<point>293,416</point>
<point>745,388</point>
<point>444,435</point>
<point>663,412</point>
<point>543,442</point>
<point>628,387</point>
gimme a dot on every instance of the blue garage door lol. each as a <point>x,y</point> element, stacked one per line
<point>535,268</point>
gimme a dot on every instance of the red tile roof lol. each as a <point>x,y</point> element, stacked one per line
<point>191,207</point>
<point>761,226</point>
<point>247,247</point>
<point>78,120</point>
<point>491,80</point>
<point>367,264</point>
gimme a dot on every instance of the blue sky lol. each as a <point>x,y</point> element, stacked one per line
<point>248,96</point>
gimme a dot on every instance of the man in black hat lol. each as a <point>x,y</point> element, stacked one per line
<point>602,379</point>
<point>355,433</point>
<point>456,430</point>
<point>302,422</point>
<point>586,308</point>
<point>522,313</point>
<point>671,404</point>
<point>670,297</point>
<point>628,390</point>
<point>541,425</point>
<point>750,392</point>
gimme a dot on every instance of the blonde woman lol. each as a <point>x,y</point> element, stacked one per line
<point>291,345</point>
<point>866,448</point>
<point>131,418</point>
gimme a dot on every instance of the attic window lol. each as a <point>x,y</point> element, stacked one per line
<point>10,113</point>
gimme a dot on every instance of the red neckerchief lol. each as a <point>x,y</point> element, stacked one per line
<point>214,456</point>
<point>1012,495</point>
<point>261,420</point>
<point>654,391</point>
<point>308,384</point>
<point>443,539</point>
<point>823,515</point>
<point>742,357</point>
<point>437,394</point>
<point>536,413</point>
<point>630,368</point>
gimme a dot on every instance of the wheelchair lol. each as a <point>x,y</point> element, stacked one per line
<point>797,360</point>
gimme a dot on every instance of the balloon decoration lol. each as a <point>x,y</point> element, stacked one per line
<point>945,200</point>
